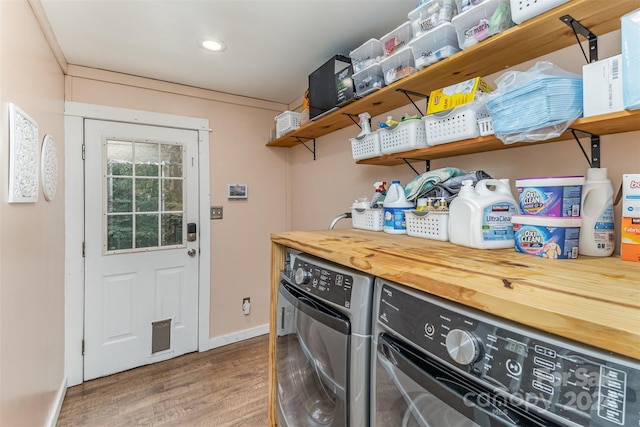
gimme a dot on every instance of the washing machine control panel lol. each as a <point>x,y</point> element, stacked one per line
<point>323,282</point>
<point>577,383</point>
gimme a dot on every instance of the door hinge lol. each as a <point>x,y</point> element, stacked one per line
<point>83,347</point>
<point>83,246</point>
<point>84,152</point>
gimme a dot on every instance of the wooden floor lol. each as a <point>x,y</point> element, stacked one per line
<point>223,387</point>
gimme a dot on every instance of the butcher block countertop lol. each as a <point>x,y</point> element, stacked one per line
<point>595,301</point>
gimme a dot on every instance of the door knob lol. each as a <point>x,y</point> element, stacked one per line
<point>191,252</point>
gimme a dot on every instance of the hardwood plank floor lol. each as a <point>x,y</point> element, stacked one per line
<point>223,387</point>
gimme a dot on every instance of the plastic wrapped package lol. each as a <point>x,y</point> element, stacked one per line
<point>535,105</point>
<point>630,34</point>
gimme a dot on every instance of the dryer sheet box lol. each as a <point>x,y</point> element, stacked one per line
<point>602,86</point>
<point>630,224</point>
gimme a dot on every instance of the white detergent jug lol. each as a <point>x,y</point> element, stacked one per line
<point>480,217</point>
<point>395,205</point>
<point>597,234</point>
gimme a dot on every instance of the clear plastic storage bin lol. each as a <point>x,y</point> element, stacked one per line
<point>396,39</point>
<point>366,146</point>
<point>434,45</point>
<point>404,136</point>
<point>473,25</point>
<point>370,52</point>
<point>521,10</point>
<point>429,15</point>
<point>287,122</point>
<point>398,65</point>
<point>368,219</point>
<point>428,224</point>
<point>453,125</point>
<point>368,80</point>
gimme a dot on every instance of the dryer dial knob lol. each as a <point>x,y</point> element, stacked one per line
<point>302,277</point>
<point>462,346</point>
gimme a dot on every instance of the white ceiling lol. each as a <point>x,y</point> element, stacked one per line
<point>273,45</point>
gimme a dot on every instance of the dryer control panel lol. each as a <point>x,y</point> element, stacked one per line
<point>323,282</point>
<point>580,384</point>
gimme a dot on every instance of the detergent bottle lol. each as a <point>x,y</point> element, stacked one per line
<point>480,217</point>
<point>395,205</point>
<point>597,233</point>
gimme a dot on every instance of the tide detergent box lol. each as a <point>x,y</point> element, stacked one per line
<point>630,225</point>
<point>456,95</point>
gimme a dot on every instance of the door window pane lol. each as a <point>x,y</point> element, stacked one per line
<point>120,232</point>
<point>147,159</point>
<point>119,194</point>
<point>171,229</point>
<point>146,195</point>
<point>147,230</point>
<point>144,179</point>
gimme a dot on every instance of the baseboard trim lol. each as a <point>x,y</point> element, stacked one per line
<point>238,336</point>
<point>54,412</point>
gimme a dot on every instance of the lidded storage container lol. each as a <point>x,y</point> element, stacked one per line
<point>368,80</point>
<point>398,65</point>
<point>481,21</point>
<point>396,39</point>
<point>521,10</point>
<point>369,53</point>
<point>429,15</point>
<point>432,46</point>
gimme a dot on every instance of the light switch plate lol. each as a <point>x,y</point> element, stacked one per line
<point>216,212</point>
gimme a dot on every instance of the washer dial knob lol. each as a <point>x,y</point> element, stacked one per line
<point>302,277</point>
<point>462,346</point>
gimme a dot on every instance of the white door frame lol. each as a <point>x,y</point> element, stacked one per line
<point>75,113</point>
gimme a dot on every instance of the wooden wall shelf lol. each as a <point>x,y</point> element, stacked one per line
<point>531,39</point>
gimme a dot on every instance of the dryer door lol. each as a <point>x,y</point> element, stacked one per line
<point>312,353</point>
<point>415,390</point>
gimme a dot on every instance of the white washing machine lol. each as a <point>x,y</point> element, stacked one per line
<point>323,344</point>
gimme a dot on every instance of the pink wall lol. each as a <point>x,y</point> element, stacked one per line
<point>32,235</point>
<point>324,188</point>
<point>240,255</point>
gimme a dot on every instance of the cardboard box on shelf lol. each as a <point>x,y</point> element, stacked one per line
<point>602,86</point>
<point>630,224</point>
<point>456,95</point>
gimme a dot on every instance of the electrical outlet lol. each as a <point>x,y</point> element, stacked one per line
<point>246,305</point>
<point>216,212</point>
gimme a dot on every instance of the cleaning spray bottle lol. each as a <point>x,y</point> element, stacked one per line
<point>597,234</point>
<point>378,197</point>
<point>365,124</point>
<point>395,206</point>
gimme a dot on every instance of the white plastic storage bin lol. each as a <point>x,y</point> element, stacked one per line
<point>366,146</point>
<point>404,136</point>
<point>398,65</point>
<point>472,26</point>
<point>429,15</point>
<point>368,219</point>
<point>368,80</point>
<point>434,45</point>
<point>287,122</point>
<point>485,126</point>
<point>428,224</point>
<point>453,125</point>
<point>370,52</point>
<point>396,39</point>
<point>521,10</point>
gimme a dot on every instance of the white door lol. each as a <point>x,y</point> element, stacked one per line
<point>141,265</point>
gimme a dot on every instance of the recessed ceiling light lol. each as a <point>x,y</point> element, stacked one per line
<point>213,45</point>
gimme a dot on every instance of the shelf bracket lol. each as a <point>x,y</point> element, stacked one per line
<point>312,150</point>
<point>595,148</point>
<point>351,116</point>
<point>409,93</point>
<point>427,164</point>
<point>578,28</point>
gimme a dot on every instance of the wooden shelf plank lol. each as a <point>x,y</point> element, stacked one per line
<point>531,39</point>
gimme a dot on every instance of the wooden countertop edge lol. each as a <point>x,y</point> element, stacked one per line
<point>589,304</point>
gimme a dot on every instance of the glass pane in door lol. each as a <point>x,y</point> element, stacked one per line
<point>144,196</point>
